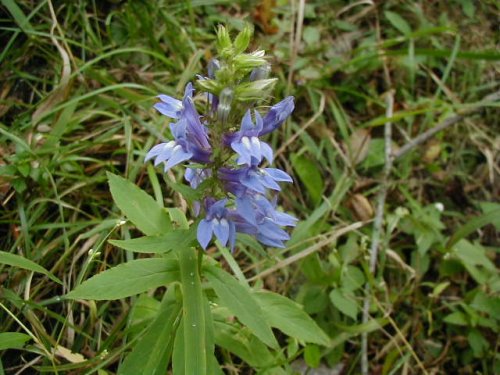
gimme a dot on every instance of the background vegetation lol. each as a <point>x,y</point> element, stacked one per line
<point>78,80</point>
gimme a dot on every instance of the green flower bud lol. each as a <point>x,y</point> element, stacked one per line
<point>243,39</point>
<point>224,44</point>
<point>224,107</point>
<point>248,61</point>
<point>254,90</point>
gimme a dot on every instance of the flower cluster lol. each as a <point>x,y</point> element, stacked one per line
<point>224,147</point>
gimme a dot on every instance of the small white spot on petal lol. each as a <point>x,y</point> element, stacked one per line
<point>224,223</point>
<point>246,142</point>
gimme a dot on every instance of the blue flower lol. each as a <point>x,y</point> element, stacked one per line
<point>172,107</point>
<point>263,220</point>
<point>247,144</point>
<point>253,178</point>
<point>218,222</point>
<point>195,176</point>
<point>190,135</point>
<point>277,115</point>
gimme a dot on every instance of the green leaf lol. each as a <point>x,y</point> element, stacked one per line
<point>157,244</point>
<point>193,314</point>
<point>152,351</point>
<point>311,35</point>
<point>241,303</point>
<point>21,262</point>
<point>140,208</point>
<point>288,317</point>
<point>13,340</point>
<point>128,279</point>
<point>310,176</point>
<point>478,343</point>
<point>312,356</point>
<point>398,22</point>
<point>242,343</point>
<point>344,304</point>
<point>457,318</point>
<point>179,354</point>
<point>473,256</point>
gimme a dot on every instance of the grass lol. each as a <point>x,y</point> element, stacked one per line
<point>76,99</point>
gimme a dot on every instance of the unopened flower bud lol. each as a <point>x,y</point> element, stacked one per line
<point>225,100</point>
<point>262,72</point>
<point>213,66</point>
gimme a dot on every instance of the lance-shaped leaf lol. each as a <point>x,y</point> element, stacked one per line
<point>128,279</point>
<point>21,262</point>
<point>139,207</point>
<point>288,317</point>
<point>238,299</point>
<point>157,244</point>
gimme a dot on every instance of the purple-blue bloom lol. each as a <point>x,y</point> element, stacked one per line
<point>217,221</point>
<point>190,135</point>
<point>246,143</point>
<point>253,178</point>
<point>277,115</point>
<point>239,195</point>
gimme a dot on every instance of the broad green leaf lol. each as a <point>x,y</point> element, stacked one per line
<point>193,314</point>
<point>288,317</point>
<point>311,35</point>
<point>398,22</point>
<point>310,176</point>
<point>457,318</point>
<point>241,303</point>
<point>312,356</point>
<point>344,304</point>
<point>242,343</point>
<point>473,255</point>
<point>21,262</point>
<point>144,311</point>
<point>157,244</point>
<point>13,340</point>
<point>152,351</point>
<point>128,279</point>
<point>139,207</point>
<point>478,343</point>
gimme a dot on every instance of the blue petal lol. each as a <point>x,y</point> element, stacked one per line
<point>204,233</point>
<point>154,151</point>
<point>247,123</point>
<point>252,182</point>
<point>278,174</point>
<point>232,235</point>
<point>221,230</point>
<point>178,156</point>
<point>165,153</point>
<point>218,208</point>
<point>284,219</point>
<point>270,242</point>
<point>245,208</point>
<point>266,151</point>
<point>244,153</point>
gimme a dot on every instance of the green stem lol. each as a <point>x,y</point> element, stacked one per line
<point>195,350</point>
